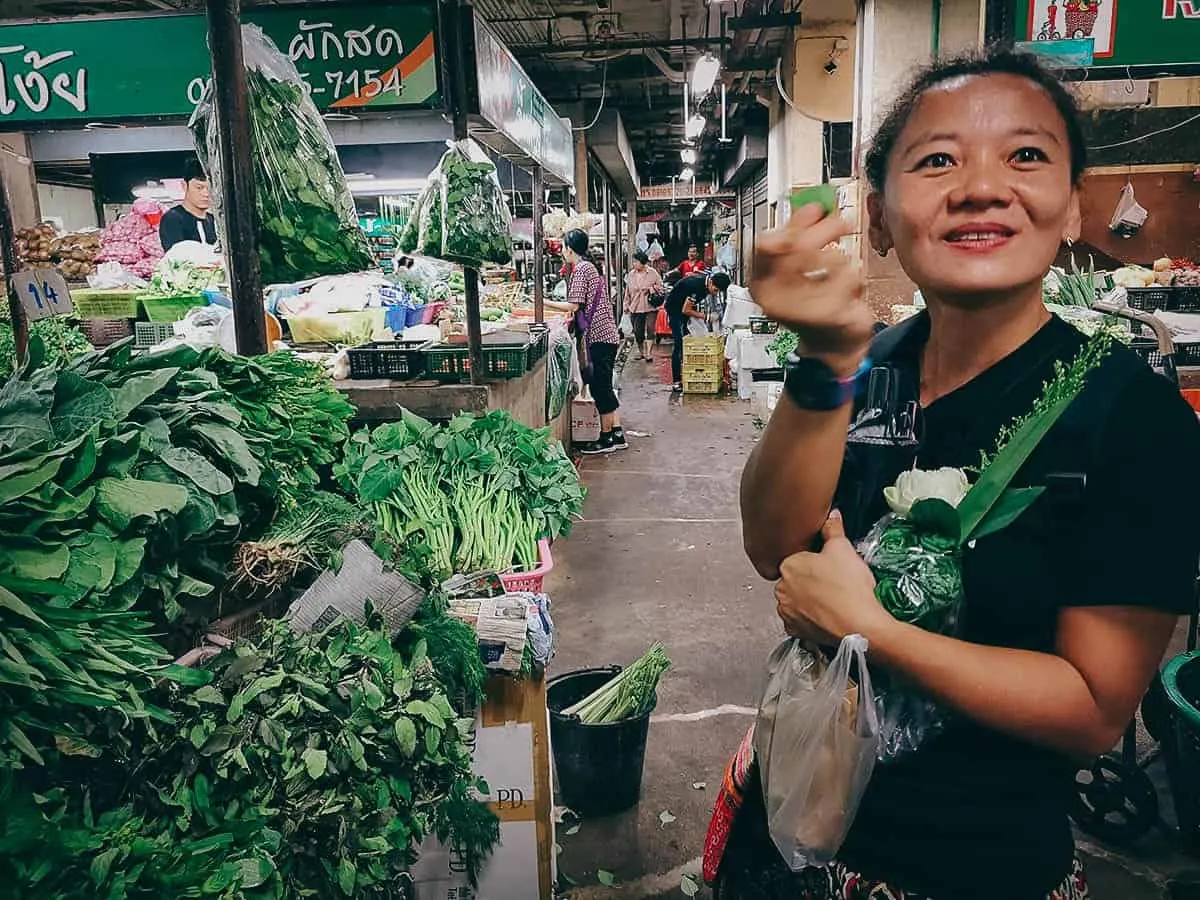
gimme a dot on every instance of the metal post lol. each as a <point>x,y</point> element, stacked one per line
<point>237,170</point>
<point>539,245</point>
<point>8,262</point>
<point>460,17</point>
<point>606,211</point>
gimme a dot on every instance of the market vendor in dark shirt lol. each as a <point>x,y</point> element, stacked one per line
<point>681,306</point>
<point>1067,611</point>
<point>191,219</point>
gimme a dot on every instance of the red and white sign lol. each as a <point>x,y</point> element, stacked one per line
<point>1187,9</point>
<point>1055,20</point>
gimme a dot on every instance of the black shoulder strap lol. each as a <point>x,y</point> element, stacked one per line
<point>888,341</point>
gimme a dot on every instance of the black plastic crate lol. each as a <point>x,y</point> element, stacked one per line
<point>452,362</point>
<point>766,374</point>
<point>1187,299</point>
<point>763,325</point>
<point>539,344</point>
<point>1185,354</point>
<point>397,360</point>
<point>1152,298</point>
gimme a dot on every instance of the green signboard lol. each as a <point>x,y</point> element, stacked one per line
<point>1123,32</point>
<point>351,57</point>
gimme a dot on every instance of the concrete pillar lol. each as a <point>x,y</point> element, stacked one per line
<point>581,172</point>
<point>17,166</point>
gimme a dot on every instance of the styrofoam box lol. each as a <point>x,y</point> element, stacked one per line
<point>585,421</point>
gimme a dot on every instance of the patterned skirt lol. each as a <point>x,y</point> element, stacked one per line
<point>836,882</point>
<point>763,876</point>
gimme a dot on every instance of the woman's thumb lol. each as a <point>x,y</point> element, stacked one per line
<point>834,528</point>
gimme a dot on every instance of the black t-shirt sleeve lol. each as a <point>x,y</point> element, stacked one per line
<point>1141,542</point>
<point>171,229</point>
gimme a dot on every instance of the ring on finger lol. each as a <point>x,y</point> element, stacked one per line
<point>817,274</point>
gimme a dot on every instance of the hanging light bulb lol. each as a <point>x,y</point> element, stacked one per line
<point>704,76</point>
<point>688,155</point>
<point>694,127</point>
<point>687,174</point>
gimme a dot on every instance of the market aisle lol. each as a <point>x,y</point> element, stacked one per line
<point>659,556</point>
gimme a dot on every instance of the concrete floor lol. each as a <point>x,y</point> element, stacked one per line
<point>659,557</point>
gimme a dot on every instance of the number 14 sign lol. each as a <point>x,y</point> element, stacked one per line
<point>43,293</point>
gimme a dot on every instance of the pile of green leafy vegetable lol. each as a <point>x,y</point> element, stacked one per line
<point>61,339</point>
<point>350,752</point>
<point>303,765</point>
<point>307,224</point>
<point>782,344</point>
<point>479,493</point>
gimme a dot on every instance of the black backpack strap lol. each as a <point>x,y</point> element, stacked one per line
<point>887,342</point>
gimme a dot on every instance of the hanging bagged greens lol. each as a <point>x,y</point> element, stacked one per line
<point>461,215</point>
<point>307,225</point>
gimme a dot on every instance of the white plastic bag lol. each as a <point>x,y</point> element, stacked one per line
<point>815,740</point>
<point>1130,215</point>
<point>697,327</point>
<point>626,325</point>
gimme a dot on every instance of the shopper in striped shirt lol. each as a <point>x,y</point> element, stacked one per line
<point>599,339</point>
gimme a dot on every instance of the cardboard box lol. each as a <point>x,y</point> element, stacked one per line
<point>585,421</point>
<point>512,754</point>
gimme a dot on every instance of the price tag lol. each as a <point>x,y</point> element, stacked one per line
<point>43,293</point>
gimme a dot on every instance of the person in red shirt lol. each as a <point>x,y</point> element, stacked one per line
<point>693,265</point>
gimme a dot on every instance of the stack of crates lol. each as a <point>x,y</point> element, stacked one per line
<point>703,364</point>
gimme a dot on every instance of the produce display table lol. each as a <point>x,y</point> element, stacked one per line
<point>380,400</point>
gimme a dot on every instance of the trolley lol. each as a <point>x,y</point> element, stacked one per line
<point>1115,799</point>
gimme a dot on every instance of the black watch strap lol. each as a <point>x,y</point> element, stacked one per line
<point>814,386</point>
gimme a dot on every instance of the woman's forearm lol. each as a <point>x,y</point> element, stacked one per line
<point>1043,698</point>
<point>789,482</point>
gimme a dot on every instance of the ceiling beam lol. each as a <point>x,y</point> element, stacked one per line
<point>582,47</point>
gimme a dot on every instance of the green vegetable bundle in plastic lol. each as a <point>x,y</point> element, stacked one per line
<point>461,215</point>
<point>307,224</point>
<point>915,552</point>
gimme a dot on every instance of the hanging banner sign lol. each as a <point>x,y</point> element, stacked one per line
<point>137,67</point>
<point>1122,32</point>
<point>511,102</point>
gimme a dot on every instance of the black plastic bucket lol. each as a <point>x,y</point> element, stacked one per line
<point>599,767</point>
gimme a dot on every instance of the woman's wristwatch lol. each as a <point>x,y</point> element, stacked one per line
<point>814,386</point>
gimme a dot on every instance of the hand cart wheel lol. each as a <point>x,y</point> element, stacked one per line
<point>1114,800</point>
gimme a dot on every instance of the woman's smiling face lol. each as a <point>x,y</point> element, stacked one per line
<point>979,193</point>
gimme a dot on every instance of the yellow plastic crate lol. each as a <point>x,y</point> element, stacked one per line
<point>701,385</point>
<point>711,347</point>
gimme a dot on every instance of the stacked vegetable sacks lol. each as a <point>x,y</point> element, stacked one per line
<point>307,224</point>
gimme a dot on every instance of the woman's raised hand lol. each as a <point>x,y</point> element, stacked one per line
<point>813,288</point>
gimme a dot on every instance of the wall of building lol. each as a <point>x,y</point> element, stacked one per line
<point>16,170</point>
<point>1169,193</point>
<point>74,206</point>
<point>895,38</point>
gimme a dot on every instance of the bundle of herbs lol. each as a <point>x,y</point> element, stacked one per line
<point>629,694</point>
<point>350,752</point>
<point>307,225</point>
<point>478,493</point>
<point>62,340</point>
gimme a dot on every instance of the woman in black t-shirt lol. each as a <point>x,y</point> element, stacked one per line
<point>1068,611</point>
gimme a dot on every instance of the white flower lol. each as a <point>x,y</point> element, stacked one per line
<point>946,484</point>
